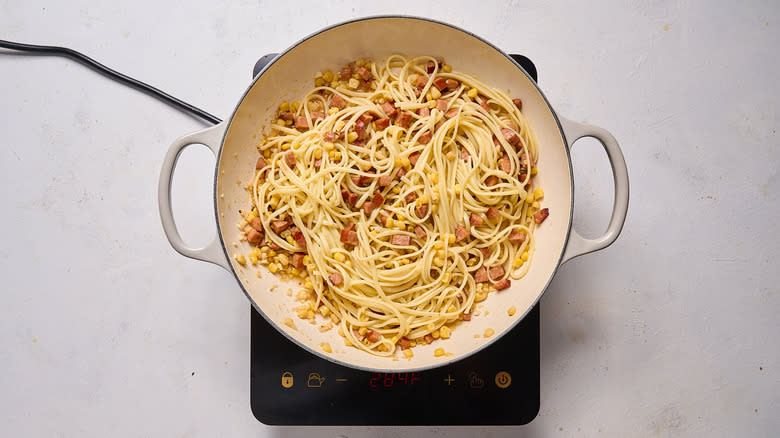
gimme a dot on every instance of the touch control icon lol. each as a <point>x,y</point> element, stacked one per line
<point>314,380</point>
<point>287,379</point>
<point>503,379</point>
<point>475,381</point>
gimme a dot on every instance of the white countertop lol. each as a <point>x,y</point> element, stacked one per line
<point>672,331</point>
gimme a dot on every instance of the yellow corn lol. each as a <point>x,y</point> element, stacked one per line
<point>430,327</point>
<point>458,189</point>
<point>302,312</point>
<point>451,309</point>
<point>480,296</point>
<point>412,344</point>
<point>445,332</point>
<point>451,239</point>
<point>438,245</point>
<point>435,93</point>
<point>451,155</point>
<point>360,62</point>
<point>317,154</point>
<point>334,84</point>
<point>352,136</point>
<point>319,82</point>
<point>435,334</point>
<point>434,177</point>
<point>324,310</point>
<point>273,267</point>
<point>241,260</point>
<point>511,311</point>
<point>339,256</point>
<point>445,278</point>
<point>285,146</point>
<point>284,106</point>
<point>534,171</point>
<point>438,352</point>
<point>362,331</point>
<point>447,68</point>
<point>438,262</point>
<point>472,93</point>
<point>337,155</point>
<point>524,256</point>
<point>327,76</point>
<point>308,285</point>
<point>295,106</point>
<point>538,193</point>
<point>408,353</point>
<point>489,332</point>
<point>517,262</point>
<point>353,83</point>
<point>279,122</point>
<point>326,347</point>
<point>535,205</point>
<point>347,342</point>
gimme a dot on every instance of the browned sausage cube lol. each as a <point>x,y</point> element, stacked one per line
<point>440,83</point>
<point>289,158</point>
<point>297,260</point>
<point>452,84</point>
<point>452,113</point>
<point>541,215</point>
<point>421,211</point>
<point>492,214</point>
<point>491,180</point>
<point>287,115</point>
<point>401,239</point>
<point>382,124</point>
<point>346,73</point>
<point>424,138</point>
<point>424,112</point>
<point>420,232</point>
<point>260,163</point>
<point>502,284</point>
<point>496,272</point>
<point>441,105</point>
<point>413,157</point>
<point>336,278</point>
<point>301,123</point>
<point>257,224</point>
<point>421,81</point>
<point>517,237</point>
<point>364,73</point>
<point>461,233</point>
<point>510,136</point>
<point>475,220</point>
<point>373,336</point>
<point>337,101</point>
<point>518,103</point>
<point>480,276</point>
<point>279,226</point>
<point>254,236</point>
<point>389,109</point>
<point>404,119</point>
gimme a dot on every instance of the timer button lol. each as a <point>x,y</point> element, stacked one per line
<point>503,379</point>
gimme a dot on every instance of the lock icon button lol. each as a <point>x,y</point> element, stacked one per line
<point>287,379</point>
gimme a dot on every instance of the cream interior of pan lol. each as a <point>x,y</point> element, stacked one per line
<point>288,78</point>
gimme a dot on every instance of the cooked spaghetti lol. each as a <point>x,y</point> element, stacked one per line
<point>401,193</point>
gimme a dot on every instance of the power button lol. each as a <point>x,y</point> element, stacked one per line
<point>503,379</point>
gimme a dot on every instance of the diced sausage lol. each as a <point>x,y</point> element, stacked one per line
<point>441,105</point>
<point>350,226</point>
<point>420,232</point>
<point>360,128</point>
<point>260,163</point>
<point>517,237</point>
<point>483,102</point>
<point>401,239</point>
<point>404,119</point>
<point>421,210</point>
<point>349,237</point>
<point>430,67</point>
<point>502,284</point>
<point>346,73</point>
<point>349,197</point>
<point>476,220</point>
<point>367,117</point>
<point>337,101</point>
<point>404,343</point>
<point>297,260</point>
<point>480,276</point>
<point>301,123</point>
<point>382,124</point>
<point>461,233</point>
<point>525,160</point>
<point>464,155</point>
<point>257,224</point>
<point>273,245</point>
<point>254,236</point>
<point>413,157</point>
<point>485,251</point>
<point>440,83</point>
<point>329,136</point>
<point>496,272</point>
<point>425,137</point>
<point>383,216</point>
<point>375,203</point>
<point>541,215</point>
<point>452,84</point>
<point>491,180</point>
<point>492,213</point>
<point>428,338</point>
<point>317,115</point>
<point>424,112</point>
<point>401,172</point>
<point>438,125</point>
<point>289,158</point>
<point>364,73</point>
<point>279,226</point>
<point>389,109</point>
<point>336,278</point>
<point>510,136</point>
<point>317,163</point>
<point>409,198</point>
<point>504,164</point>
<point>373,336</point>
<point>452,113</point>
<point>287,115</point>
<point>422,80</point>
<point>466,316</point>
<point>518,103</point>
<point>385,180</point>
<point>299,239</point>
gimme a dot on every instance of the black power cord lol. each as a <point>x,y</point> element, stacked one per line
<point>112,74</point>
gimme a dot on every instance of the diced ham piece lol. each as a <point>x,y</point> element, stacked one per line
<point>346,73</point>
<point>483,102</point>
<point>420,232</point>
<point>389,109</point>
<point>349,197</point>
<point>367,117</point>
<point>510,136</point>
<point>375,203</point>
<point>541,215</point>
<point>360,128</point>
<point>301,123</point>
<point>421,81</point>
<point>517,237</point>
<point>364,73</point>
<point>404,119</point>
<point>485,251</point>
<point>480,276</point>
<point>518,103</point>
<point>385,180</point>
<point>496,272</point>
<point>424,112</point>
<point>401,239</point>
<point>428,338</point>
<point>298,236</point>
<point>329,136</point>
<point>260,163</point>
<point>476,220</point>
<point>504,164</point>
<point>466,316</point>
<point>438,125</point>
<point>287,115</point>
<point>401,172</point>
<point>383,215</point>
<point>279,226</point>
<point>461,233</point>
<point>410,197</point>
<point>491,180</point>
<point>336,278</point>
<point>421,210</point>
<point>289,158</point>
<point>273,245</point>
<point>452,113</point>
<point>413,157</point>
<point>502,284</point>
<point>349,237</point>
<point>440,83</point>
<point>404,343</point>
<point>254,236</point>
<point>525,160</point>
<point>373,336</point>
<point>382,124</point>
<point>441,105</point>
<point>452,84</point>
<point>297,260</point>
<point>425,137</point>
<point>464,155</point>
<point>430,67</point>
<point>257,224</point>
<point>492,214</point>
<point>317,115</point>
<point>337,101</point>
<point>317,163</point>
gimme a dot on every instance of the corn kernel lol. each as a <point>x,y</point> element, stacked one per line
<point>517,262</point>
<point>447,68</point>
<point>348,263</point>
<point>438,262</point>
<point>438,352</point>
<point>438,245</point>
<point>273,267</point>
<point>327,76</point>
<point>326,347</point>
<point>435,334</point>
<point>241,260</point>
<point>489,332</point>
<point>451,155</point>
<point>284,106</point>
<point>480,296</point>
<point>337,155</point>
<point>302,312</point>
<point>252,258</point>
<point>324,310</point>
<point>360,62</point>
<point>295,106</point>
<point>408,353</point>
<point>353,84</point>
<point>309,315</point>
<point>451,309</point>
<point>538,193</point>
<point>362,331</point>
<point>339,256</point>
<point>435,93</point>
<point>451,239</point>
<point>412,344</point>
<point>431,326</point>
<point>445,332</point>
<point>434,177</point>
<point>289,240</point>
<point>472,93</point>
<point>511,311</point>
<point>285,146</point>
<point>329,146</point>
<point>279,122</point>
<point>334,84</point>
<point>458,189</point>
<point>308,285</point>
<point>536,205</point>
<point>319,82</point>
<point>347,342</point>
<point>352,136</point>
<point>524,256</point>
<point>534,171</point>
<point>333,110</point>
<point>283,259</point>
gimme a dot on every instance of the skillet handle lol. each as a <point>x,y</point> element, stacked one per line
<point>577,244</point>
<point>210,137</point>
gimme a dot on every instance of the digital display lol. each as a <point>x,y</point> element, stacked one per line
<point>389,380</point>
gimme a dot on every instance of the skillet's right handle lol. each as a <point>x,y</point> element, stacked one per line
<point>212,252</point>
<point>579,245</point>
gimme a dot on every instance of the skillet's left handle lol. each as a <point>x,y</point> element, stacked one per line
<point>210,137</point>
<point>577,244</point>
